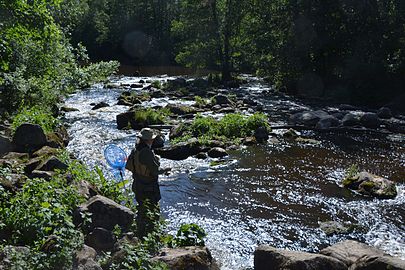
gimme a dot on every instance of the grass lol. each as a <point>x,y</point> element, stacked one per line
<point>230,128</point>
<point>151,116</point>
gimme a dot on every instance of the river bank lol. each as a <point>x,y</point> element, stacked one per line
<point>274,193</point>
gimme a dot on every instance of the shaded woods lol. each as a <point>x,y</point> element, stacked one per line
<point>348,51</point>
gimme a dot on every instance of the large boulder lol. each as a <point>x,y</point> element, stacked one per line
<point>180,151</point>
<point>187,258</point>
<point>327,122</point>
<point>12,182</point>
<point>266,257</point>
<point>370,120</point>
<point>356,255</point>
<point>371,185</point>
<point>29,138</point>
<point>105,213</point>
<point>5,145</point>
<point>101,239</point>
<point>308,118</point>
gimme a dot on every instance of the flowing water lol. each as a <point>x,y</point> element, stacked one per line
<point>272,194</point>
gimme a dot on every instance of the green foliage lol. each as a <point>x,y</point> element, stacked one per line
<point>188,235</point>
<point>156,84</point>
<point>200,102</point>
<point>38,64</point>
<point>350,176</point>
<point>230,127</point>
<point>35,115</point>
<point>42,209</point>
<point>151,116</point>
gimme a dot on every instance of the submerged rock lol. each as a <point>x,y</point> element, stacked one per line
<point>371,185</point>
<point>266,257</point>
<point>334,227</point>
<point>100,105</point>
<point>187,258</point>
<point>261,134</point>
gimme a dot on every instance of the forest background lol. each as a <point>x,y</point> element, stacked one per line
<point>342,50</point>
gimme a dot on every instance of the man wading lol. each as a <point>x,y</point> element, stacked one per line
<point>144,165</point>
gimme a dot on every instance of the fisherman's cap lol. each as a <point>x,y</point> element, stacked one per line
<point>147,134</point>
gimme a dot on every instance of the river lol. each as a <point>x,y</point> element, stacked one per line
<point>273,194</point>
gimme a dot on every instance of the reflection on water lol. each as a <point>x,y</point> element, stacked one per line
<point>270,194</point>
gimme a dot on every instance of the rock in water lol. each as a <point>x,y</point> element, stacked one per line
<point>266,257</point>
<point>358,256</point>
<point>371,185</point>
<point>217,152</point>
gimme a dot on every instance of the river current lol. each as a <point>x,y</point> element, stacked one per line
<point>275,194</point>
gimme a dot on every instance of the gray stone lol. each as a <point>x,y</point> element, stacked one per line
<point>217,152</point>
<point>86,189</point>
<point>201,155</point>
<point>378,262</point>
<point>308,118</point>
<point>384,113</point>
<point>105,213</point>
<point>124,119</point>
<point>371,185</point>
<point>101,239</point>
<point>350,251</point>
<point>41,174</point>
<point>334,227</point>
<point>221,99</point>
<point>180,151</point>
<point>370,120</point>
<point>350,120</point>
<point>187,258</point>
<point>52,164</point>
<point>266,257</point>
<point>327,122</point>
<point>5,145</point>
<point>85,259</point>
<point>29,138</point>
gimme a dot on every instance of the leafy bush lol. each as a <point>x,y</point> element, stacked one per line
<point>42,209</point>
<point>35,115</point>
<point>188,235</point>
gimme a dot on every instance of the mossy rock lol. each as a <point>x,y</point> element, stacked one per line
<point>371,185</point>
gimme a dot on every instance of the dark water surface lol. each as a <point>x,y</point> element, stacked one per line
<point>272,194</point>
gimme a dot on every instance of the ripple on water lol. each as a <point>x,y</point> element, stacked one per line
<point>274,194</point>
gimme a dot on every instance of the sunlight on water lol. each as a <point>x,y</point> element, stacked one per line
<point>274,194</point>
